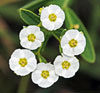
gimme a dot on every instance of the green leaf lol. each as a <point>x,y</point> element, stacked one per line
<point>35,4</point>
<point>61,3</point>
<point>72,19</point>
<point>29,17</point>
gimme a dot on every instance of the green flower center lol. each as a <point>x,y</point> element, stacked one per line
<point>65,65</point>
<point>22,62</point>
<point>31,37</point>
<point>73,43</point>
<point>45,74</point>
<point>52,17</point>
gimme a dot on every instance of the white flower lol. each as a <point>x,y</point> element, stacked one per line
<point>44,75</point>
<point>22,62</point>
<point>31,37</point>
<point>66,66</point>
<point>52,17</point>
<point>73,42</point>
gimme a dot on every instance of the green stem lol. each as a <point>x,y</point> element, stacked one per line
<point>23,84</point>
<point>56,36</point>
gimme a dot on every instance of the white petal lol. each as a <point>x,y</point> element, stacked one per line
<point>26,44</point>
<point>48,24</point>
<point>75,64</point>
<point>79,49</point>
<point>53,77</point>
<point>39,36</point>
<point>41,66</point>
<point>67,50</point>
<point>68,73</point>
<point>67,58</point>
<point>61,15</point>
<point>72,34</point>
<point>36,77</point>
<point>44,14</point>
<point>58,60</point>
<point>13,63</point>
<point>25,39</point>
<point>64,41</point>
<point>23,33</point>
<point>81,40</point>
<point>32,64</point>
<point>35,45</point>
<point>49,66</point>
<point>31,45</point>
<point>58,23</point>
<point>58,70</point>
<point>54,9</point>
<point>22,71</point>
<point>28,54</point>
<point>18,53</point>
<point>32,29</point>
<point>45,83</point>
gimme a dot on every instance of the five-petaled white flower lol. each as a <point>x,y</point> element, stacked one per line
<point>22,62</point>
<point>73,42</point>
<point>52,17</point>
<point>66,66</point>
<point>44,75</point>
<point>31,37</point>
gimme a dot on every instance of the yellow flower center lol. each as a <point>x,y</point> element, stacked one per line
<point>52,17</point>
<point>31,37</point>
<point>65,65</point>
<point>45,74</point>
<point>73,43</point>
<point>23,62</point>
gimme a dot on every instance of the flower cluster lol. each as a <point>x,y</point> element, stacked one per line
<point>73,42</point>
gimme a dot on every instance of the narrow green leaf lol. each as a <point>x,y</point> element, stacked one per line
<point>61,3</point>
<point>33,5</point>
<point>29,17</point>
<point>72,19</point>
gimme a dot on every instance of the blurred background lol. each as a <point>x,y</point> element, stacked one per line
<point>86,80</point>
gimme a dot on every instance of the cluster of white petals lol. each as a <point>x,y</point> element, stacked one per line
<point>31,37</point>
<point>66,66</point>
<point>73,42</point>
<point>44,75</point>
<point>52,17</point>
<point>22,62</point>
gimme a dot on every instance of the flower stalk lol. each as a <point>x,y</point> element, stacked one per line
<point>23,84</point>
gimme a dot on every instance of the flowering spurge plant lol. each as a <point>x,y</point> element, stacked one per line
<point>73,40</point>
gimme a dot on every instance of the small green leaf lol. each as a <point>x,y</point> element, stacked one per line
<point>72,19</point>
<point>29,17</point>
